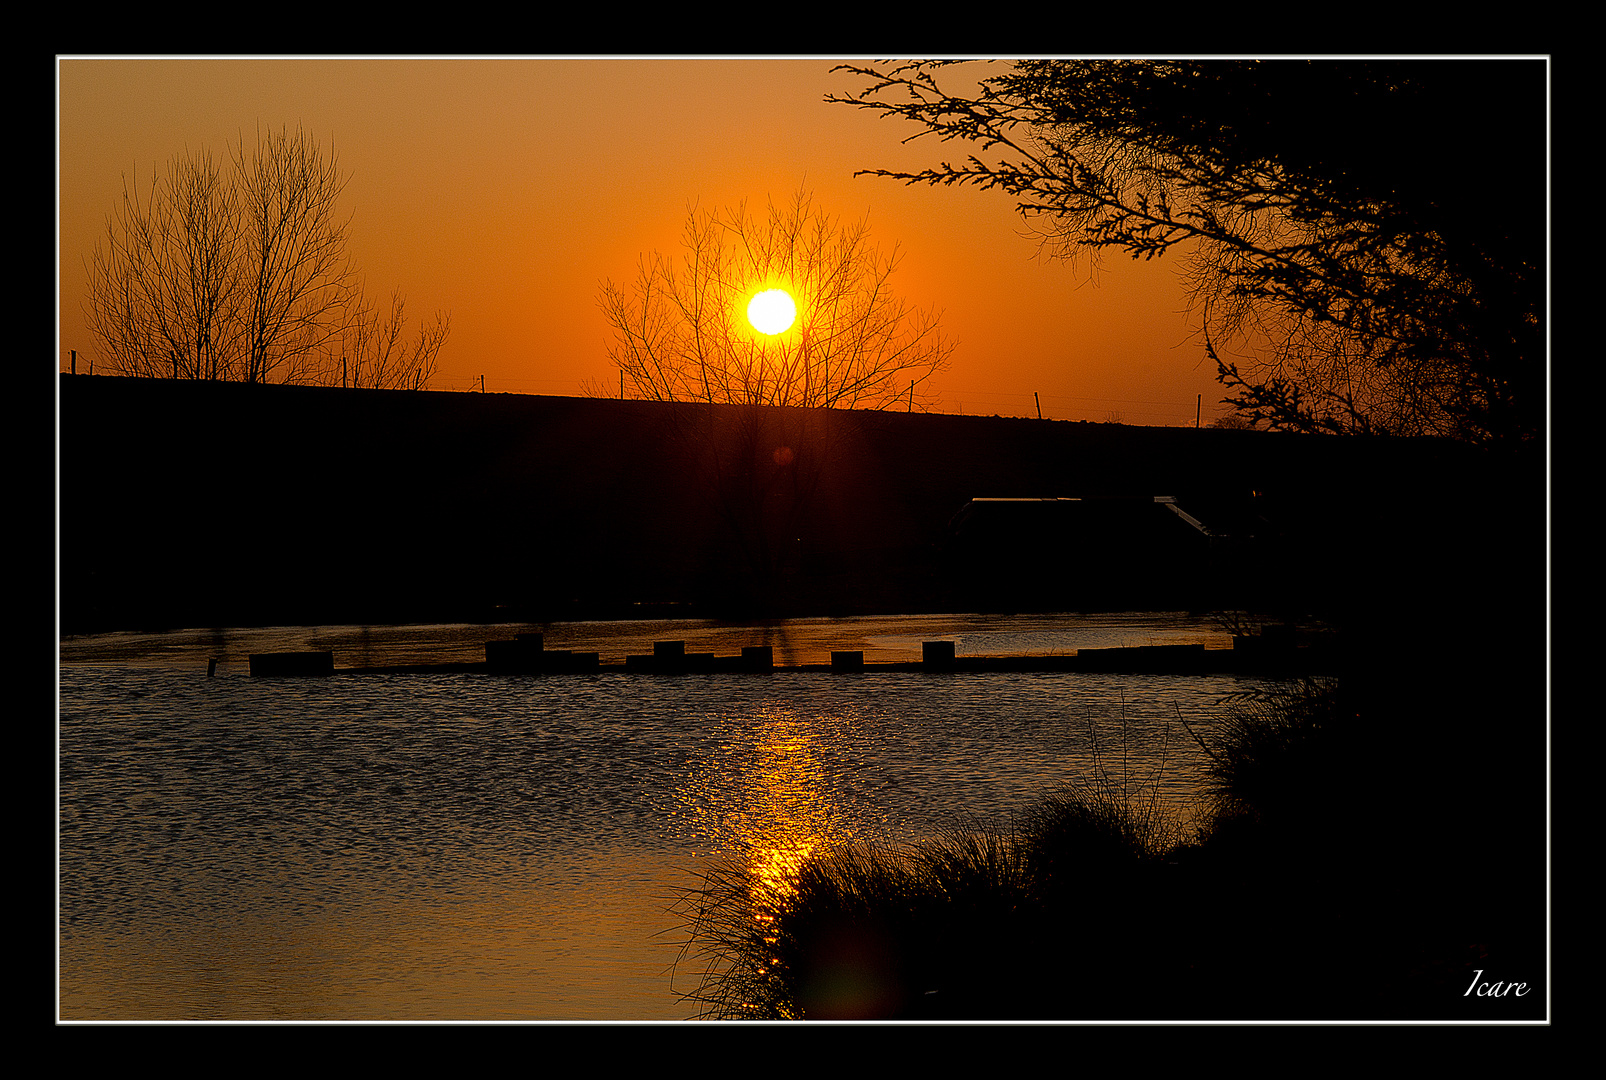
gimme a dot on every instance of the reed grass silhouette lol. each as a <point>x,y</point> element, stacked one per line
<point>1283,897</point>
<point>1019,921</point>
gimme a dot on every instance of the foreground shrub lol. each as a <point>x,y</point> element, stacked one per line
<point>1316,886</point>
<point>1024,922</point>
<point>1340,870</point>
<point>1278,759</point>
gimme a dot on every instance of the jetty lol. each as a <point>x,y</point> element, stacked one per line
<point>527,655</point>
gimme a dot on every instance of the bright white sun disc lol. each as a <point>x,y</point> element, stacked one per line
<point>771,311</point>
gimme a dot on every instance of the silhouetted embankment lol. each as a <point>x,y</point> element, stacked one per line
<point>189,504</point>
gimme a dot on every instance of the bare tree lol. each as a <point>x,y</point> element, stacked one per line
<point>376,352</point>
<point>299,276</point>
<point>681,331</point>
<point>246,276</point>
<point>164,284</point>
<point>1348,271</point>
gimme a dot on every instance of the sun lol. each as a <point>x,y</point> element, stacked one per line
<point>772,311</point>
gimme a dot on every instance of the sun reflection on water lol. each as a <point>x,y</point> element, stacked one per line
<point>773,791</point>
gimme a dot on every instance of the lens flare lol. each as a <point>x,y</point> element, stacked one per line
<point>772,311</point>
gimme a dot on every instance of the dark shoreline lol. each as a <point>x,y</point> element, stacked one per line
<point>213,504</point>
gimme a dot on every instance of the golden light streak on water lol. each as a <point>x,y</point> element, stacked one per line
<point>460,847</point>
<point>769,795</point>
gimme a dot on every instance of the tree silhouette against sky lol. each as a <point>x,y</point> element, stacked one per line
<point>681,330</point>
<point>1365,242</point>
<point>242,273</point>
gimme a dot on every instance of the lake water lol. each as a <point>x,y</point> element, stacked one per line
<point>473,847</point>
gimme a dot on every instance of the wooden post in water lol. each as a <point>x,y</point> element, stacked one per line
<point>937,655</point>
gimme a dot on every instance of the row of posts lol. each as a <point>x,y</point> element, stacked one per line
<point>527,653</point>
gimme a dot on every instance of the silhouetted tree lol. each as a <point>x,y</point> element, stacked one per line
<point>681,333</point>
<point>1364,241</point>
<point>297,272</point>
<point>164,293</point>
<point>376,352</point>
<point>245,276</point>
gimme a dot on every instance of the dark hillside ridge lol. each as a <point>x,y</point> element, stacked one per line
<point>200,504</point>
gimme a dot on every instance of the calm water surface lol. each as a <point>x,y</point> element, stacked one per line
<point>470,847</point>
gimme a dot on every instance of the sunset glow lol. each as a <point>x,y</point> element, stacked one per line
<point>503,190</point>
<point>772,311</point>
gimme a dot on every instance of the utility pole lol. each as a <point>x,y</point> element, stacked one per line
<point>1039,404</point>
<point>1198,407</point>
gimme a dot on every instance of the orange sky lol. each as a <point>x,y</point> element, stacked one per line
<point>505,191</point>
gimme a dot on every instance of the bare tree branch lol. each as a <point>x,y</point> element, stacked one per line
<point>247,277</point>
<point>296,247</point>
<point>375,352</point>
<point>680,330</point>
<point>164,285</point>
<point>1324,238</point>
